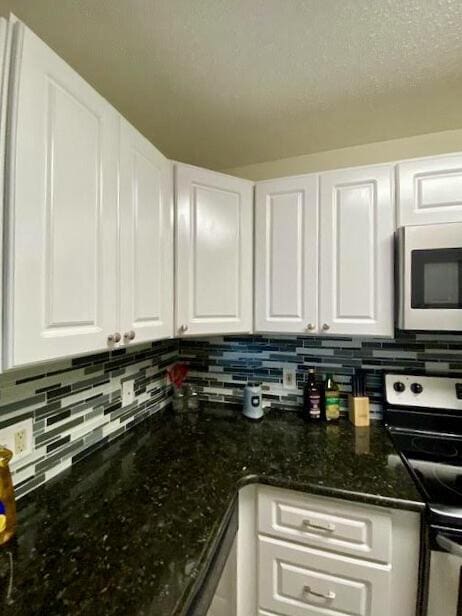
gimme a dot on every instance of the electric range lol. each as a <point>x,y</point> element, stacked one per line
<point>424,417</point>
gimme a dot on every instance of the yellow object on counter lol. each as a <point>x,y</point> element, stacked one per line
<point>358,410</point>
<point>7,502</point>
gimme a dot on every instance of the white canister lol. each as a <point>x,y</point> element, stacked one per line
<point>253,408</point>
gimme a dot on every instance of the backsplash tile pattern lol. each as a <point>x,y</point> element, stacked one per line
<point>221,366</point>
<point>76,404</point>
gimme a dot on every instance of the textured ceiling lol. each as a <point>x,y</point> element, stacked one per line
<point>223,83</point>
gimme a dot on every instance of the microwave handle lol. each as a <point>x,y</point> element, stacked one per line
<point>449,545</point>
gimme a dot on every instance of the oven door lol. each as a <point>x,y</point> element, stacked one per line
<point>445,584</point>
<point>430,277</point>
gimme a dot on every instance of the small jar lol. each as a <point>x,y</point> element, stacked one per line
<point>7,502</point>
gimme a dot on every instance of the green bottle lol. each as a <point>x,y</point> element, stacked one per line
<point>331,399</point>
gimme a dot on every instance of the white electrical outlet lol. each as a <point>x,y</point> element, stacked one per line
<point>18,439</point>
<point>289,377</point>
<point>128,392</point>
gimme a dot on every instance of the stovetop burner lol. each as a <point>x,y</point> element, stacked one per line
<point>426,429</point>
<point>436,448</point>
<point>436,462</point>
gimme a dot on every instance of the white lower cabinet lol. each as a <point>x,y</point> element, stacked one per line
<point>224,600</point>
<point>307,555</point>
<point>300,581</point>
<point>313,521</point>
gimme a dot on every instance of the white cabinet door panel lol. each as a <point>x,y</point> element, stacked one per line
<point>146,238</point>
<point>299,581</point>
<point>5,49</point>
<point>224,600</point>
<point>62,210</point>
<point>347,528</point>
<point>214,257</point>
<point>286,255</point>
<point>357,225</point>
<point>430,190</point>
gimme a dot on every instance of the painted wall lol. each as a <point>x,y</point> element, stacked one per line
<point>367,154</point>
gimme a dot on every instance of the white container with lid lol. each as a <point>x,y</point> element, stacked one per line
<point>253,407</point>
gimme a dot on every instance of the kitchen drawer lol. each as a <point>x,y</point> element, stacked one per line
<point>295,580</point>
<point>326,523</point>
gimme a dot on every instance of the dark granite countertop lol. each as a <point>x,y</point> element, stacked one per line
<point>133,527</point>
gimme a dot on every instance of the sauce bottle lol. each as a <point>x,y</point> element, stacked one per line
<point>312,398</point>
<point>331,399</point>
<point>7,503</point>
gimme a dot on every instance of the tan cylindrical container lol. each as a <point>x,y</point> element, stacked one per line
<point>7,502</point>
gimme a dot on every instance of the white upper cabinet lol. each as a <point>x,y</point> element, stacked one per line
<point>146,239</point>
<point>214,252</point>
<point>356,258</point>
<point>286,255</point>
<point>61,210</point>
<point>430,190</point>
<point>5,33</point>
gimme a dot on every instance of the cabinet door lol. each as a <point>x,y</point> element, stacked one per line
<point>430,190</point>
<point>286,255</point>
<point>296,580</point>
<point>357,225</point>
<point>214,248</point>
<point>5,36</point>
<point>146,239</point>
<point>224,599</point>
<point>61,210</point>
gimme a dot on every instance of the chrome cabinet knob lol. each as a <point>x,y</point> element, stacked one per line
<point>325,326</point>
<point>129,335</point>
<point>310,327</point>
<point>183,328</point>
<point>117,337</point>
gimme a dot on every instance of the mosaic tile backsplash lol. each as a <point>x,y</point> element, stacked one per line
<point>221,366</point>
<point>76,404</point>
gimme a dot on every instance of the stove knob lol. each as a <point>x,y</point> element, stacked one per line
<point>398,386</point>
<point>416,388</point>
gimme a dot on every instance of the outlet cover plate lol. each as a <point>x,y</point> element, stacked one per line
<point>128,392</point>
<point>9,437</point>
<point>289,377</point>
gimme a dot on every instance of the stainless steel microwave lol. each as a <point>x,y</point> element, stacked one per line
<point>429,271</point>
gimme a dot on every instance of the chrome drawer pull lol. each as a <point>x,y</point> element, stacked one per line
<point>328,527</point>
<point>330,596</point>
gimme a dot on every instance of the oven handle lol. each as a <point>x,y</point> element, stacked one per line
<point>449,545</point>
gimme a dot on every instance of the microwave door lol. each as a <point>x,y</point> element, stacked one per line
<point>431,277</point>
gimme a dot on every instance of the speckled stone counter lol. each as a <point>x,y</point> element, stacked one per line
<point>132,528</point>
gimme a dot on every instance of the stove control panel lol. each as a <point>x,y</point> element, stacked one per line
<point>424,391</point>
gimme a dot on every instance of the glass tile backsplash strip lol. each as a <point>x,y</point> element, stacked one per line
<point>221,366</point>
<point>76,404</point>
